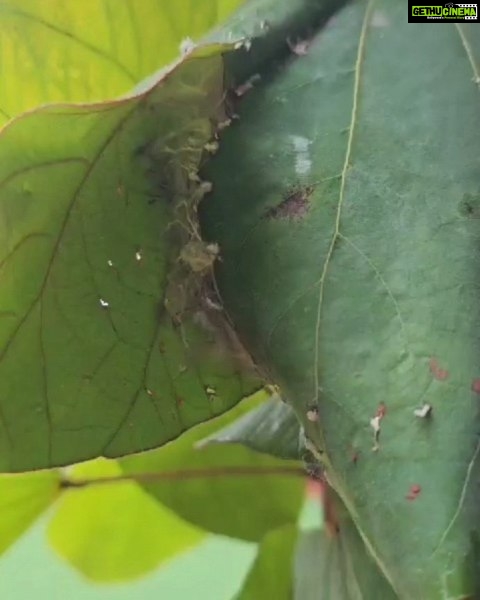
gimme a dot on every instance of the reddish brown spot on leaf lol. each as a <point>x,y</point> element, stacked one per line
<point>476,386</point>
<point>381,410</point>
<point>435,369</point>
<point>413,492</point>
<point>332,525</point>
<point>180,401</point>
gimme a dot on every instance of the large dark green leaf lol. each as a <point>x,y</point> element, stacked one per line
<point>350,265</point>
<point>237,492</point>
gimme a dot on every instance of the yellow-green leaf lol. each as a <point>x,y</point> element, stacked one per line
<point>67,50</point>
<point>23,498</point>
<point>116,531</point>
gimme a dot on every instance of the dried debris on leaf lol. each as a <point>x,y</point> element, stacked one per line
<point>294,206</point>
<point>375,425</point>
<point>300,48</point>
<point>313,415</point>
<point>245,87</point>
<point>423,412</point>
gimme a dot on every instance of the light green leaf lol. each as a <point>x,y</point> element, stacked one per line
<point>107,345</point>
<point>65,50</point>
<point>116,531</point>
<point>271,575</point>
<point>23,498</point>
<point>267,494</point>
<point>272,428</point>
<point>350,265</point>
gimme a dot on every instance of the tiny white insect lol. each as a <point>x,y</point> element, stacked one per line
<point>104,303</point>
<point>312,415</point>
<point>110,263</point>
<point>138,255</point>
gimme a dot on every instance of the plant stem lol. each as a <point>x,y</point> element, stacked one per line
<point>185,474</point>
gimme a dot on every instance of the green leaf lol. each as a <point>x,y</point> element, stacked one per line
<point>116,531</point>
<point>272,428</point>
<point>350,265</point>
<point>62,50</point>
<point>23,498</point>
<point>101,255</point>
<point>266,495</point>
<point>331,563</point>
<point>271,575</point>
<point>107,345</point>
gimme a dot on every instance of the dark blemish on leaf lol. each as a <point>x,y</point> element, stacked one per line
<point>435,369</point>
<point>161,347</point>
<point>355,457</point>
<point>476,386</point>
<point>413,492</point>
<point>469,206</point>
<point>180,401</point>
<point>294,206</point>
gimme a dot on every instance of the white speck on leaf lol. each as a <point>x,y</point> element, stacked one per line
<point>212,304</point>
<point>104,303</point>
<point>423,412</point>
<point>299,48</point>
<point>375,424</point>
<point>187,45</point>
<point>312,415</point>
<point>379,19</point>
<point>138,255</point>
<point>246,43</point>
<point>241,90</point>
<point>301,147</point>
<point>110,263</point>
